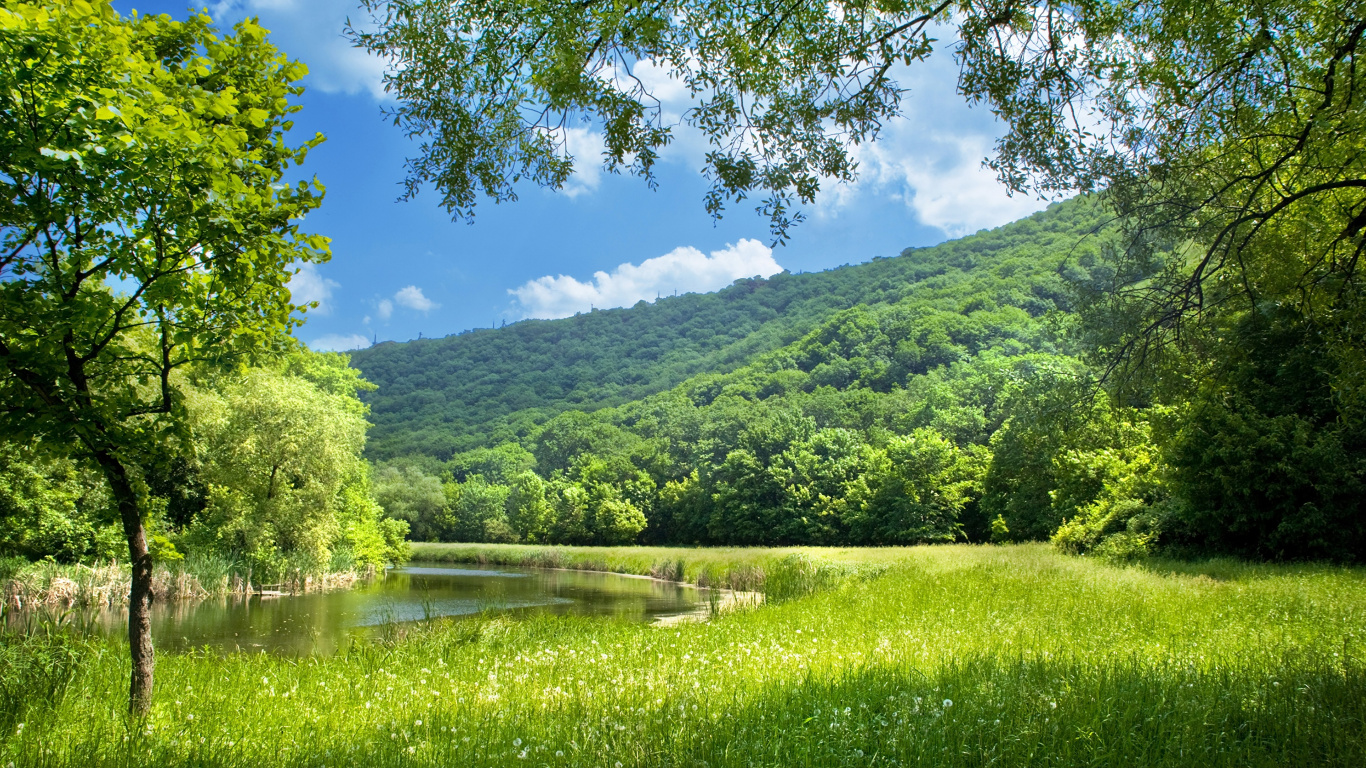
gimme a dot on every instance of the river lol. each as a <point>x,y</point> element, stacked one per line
<point>322,623</point>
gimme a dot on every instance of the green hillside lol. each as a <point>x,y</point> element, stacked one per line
<point>437,397</point>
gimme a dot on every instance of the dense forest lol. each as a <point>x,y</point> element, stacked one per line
<point>963,403</point>
<point>437,397</point>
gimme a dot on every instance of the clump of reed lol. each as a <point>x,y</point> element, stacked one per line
<point>735,568</point>
<point>778,573</point>
<point>47,584</point>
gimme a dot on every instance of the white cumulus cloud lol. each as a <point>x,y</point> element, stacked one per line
<point>586,148</point>
<point>684,270</point>
<point>412,298</point>
<point>931,158</point>
<point>408,297</point>
<point>336,342</point>
<point>307,285</point>
<point>941,179</point>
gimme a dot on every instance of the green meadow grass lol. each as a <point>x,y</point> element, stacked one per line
<point>729,567</point>
<point>934,656</point>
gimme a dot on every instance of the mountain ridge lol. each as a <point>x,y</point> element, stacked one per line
<point>440,396</point>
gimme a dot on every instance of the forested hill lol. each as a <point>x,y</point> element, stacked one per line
<point>440,396</point>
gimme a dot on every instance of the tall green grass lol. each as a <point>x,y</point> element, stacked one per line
<point>935,656</point>
<point>739,568</point>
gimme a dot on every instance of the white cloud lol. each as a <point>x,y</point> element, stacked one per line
<point>931,159</point>
<point>311,31</point>
<point>412,298</point>
<point>941,179</point>
<point>384,309</point>
<point>586,148</point>
<point>335,342</point>
<point>657,78</point>
<point>307,286</point>
<point>682,269</point>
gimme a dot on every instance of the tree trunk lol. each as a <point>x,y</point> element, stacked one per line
<point>140,596</point>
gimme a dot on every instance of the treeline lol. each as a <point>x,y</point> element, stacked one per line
<point>438,397</point>
<point>270,480</point>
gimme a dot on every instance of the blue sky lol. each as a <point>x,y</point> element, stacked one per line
<point>400,269</point>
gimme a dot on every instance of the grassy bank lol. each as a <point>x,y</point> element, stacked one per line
<point>739,568</point>
<point>949,655</point>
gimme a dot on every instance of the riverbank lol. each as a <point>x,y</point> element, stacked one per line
<point>778,572</point>
<point>64,586</point>
<point>951,655</point>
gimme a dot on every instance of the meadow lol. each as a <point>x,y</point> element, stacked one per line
<point>944,656</point>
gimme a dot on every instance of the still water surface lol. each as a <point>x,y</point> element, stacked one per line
<point>324,622</point>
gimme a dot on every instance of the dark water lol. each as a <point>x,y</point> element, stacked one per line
<point>324,622</point>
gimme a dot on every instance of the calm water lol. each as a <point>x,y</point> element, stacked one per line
<point>322,623</point>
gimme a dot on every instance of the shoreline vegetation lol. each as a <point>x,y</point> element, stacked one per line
<point>46,584</point>
<point>776,573</point>
<point>930,655</point>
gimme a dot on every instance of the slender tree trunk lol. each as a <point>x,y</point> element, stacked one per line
<point>140,596</point>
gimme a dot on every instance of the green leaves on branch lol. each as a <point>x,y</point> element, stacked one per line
<point>782,92</point>
<point>148,154</point>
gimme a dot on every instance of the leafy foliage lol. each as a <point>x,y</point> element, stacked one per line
<point>439,397</point>
<point>273,481</point>
<point>148,153</point>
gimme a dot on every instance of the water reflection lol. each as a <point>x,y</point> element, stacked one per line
<point>323,623</point>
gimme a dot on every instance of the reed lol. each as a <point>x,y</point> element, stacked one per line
<point>742,569</point>
<point>46,584</point>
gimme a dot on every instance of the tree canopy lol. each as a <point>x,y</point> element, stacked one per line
<point>443,396</point>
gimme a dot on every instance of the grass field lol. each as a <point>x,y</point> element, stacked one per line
<point>951,655</point>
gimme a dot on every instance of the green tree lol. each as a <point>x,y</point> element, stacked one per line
<point>148,154</point>
<point>478,510</point>
<point>407,493</point>
<point>529,510</point>
<point>50,507</point>
<point>277,453</point>
<point>499,464</point>
<point>913,492</point>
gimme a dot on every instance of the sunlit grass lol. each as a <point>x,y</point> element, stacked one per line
<point>927,656</point>
<point>743,568</point>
